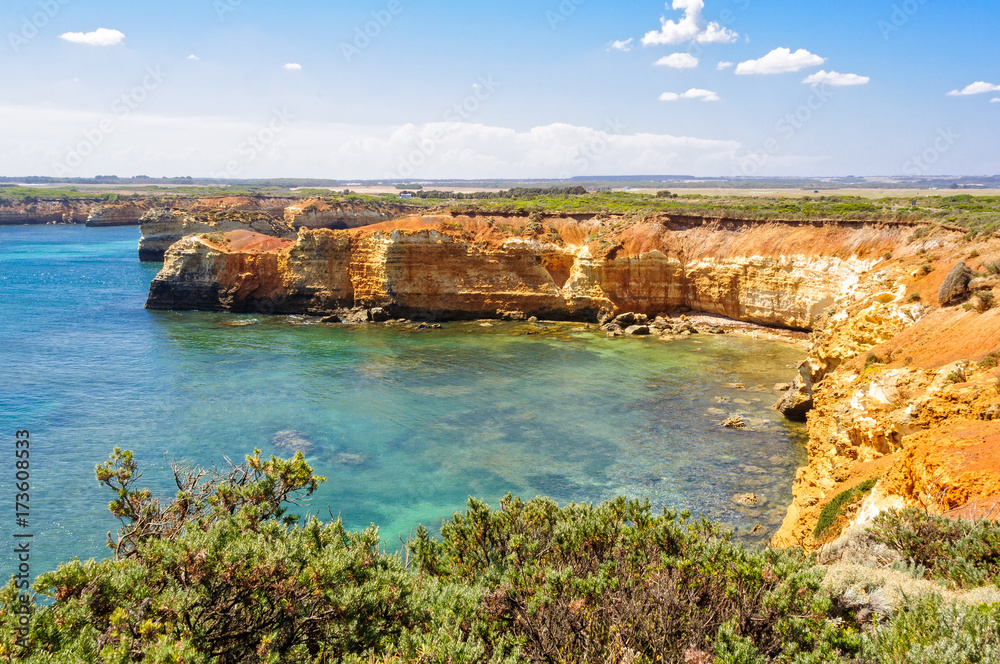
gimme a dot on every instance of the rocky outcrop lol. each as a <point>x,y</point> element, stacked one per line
<point>45,212</point>
<point>162,228</point>
<point>955,288</point>
<point>126,214</point>
<point>325,213</point>
<point>904,393</point>
<point>472,267</point>
<point>275,216</point>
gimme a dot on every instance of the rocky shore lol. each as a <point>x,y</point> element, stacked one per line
<point>899,388</point>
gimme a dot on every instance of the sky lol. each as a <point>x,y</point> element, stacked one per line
<point>422,89</point>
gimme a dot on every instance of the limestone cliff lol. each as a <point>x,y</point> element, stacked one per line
<point>323,213</point>
<point>566,268</point>
<point>905,391</point>
<point>162,228</point>
<point>125,214</point>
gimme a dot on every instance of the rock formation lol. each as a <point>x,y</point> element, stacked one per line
<point>475,267</point>
<point>324,213</point>
<point>162,228</point>
<point>904,393</point>
<point>126,214</point>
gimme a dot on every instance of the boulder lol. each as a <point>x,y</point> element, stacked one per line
<point>625,320</point>
<point>798,398</point>
<point>746,499</point>
<point>955,288</point>
<point>735,422</point>
<point>637,330</point>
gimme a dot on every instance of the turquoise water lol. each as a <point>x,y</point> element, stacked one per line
<point>406,425</point>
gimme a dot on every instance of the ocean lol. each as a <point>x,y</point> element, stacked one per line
<point>405,424</point>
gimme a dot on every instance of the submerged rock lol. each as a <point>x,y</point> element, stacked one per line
<point>735,422</point>
<point>746,499</point>
<point>291,441</point>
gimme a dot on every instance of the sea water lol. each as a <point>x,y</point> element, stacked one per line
<point>406,425</point>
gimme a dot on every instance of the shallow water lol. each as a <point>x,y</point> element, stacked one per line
<point>405,425</point>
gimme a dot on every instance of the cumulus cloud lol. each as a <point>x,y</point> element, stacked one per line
<point>724,65</point>
<point>99,37</point>
<point>693,93</point>
<point>192,57</point>
<point>692,27</point>
<point>620,45</point>
<point>977,88</point>
<point>293,66</point>
<point>678,61</point>
<point>780,61</point>
<point>36,138</point>
<point>995,100</point>
<point>835,79</point>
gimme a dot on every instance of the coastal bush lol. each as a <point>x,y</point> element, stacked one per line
<point>961,553</point>
<point>224,573</point>
<point>831,513</point>
<point>932,631</point>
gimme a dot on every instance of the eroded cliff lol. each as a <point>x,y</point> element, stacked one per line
<point>906,393</point>
<point>564,268</point>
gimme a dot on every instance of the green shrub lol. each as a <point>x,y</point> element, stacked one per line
<point>931,631</point>
<point>957,552</point>
<point>831,513</point>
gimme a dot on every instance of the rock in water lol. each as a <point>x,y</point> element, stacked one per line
<point>735,422</point>
<point>955,288</point>
<point>347,459</point>
<point>291,441</point>
<point>637,330</point>
<point>746,499</point>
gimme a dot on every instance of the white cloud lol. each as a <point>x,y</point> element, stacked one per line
<point>36,138</point>
<point>995,100</point>
<point>293,66</point>
<point>193,57</point>
<point>678,61</point>
<point>780,61</point>
<point>835,79</point>
<point>621,45</point>
<point>99,37</point>
<point>692,27</point>
<point>977,88</point>
<point>724,65</point>
<point>693,93</point>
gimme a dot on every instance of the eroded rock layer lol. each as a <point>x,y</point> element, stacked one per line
<point>475,267</point>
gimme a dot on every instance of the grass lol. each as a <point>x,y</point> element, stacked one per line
<point>831,513</point>
<point>977,215</point>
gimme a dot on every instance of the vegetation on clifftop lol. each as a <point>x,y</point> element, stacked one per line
<point>222,573</point>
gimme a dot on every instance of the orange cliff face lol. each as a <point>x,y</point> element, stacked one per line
<point>908,392</point>
<point>564,268</point>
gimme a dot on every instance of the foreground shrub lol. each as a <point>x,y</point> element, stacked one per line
<point>224,574</point>
<point>616,582</point>
<point>960,553</point>
<point>931,631</point>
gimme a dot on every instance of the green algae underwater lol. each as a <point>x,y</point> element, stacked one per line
<point>405,425</point>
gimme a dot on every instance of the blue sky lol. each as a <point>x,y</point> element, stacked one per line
<point>514,89</point>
